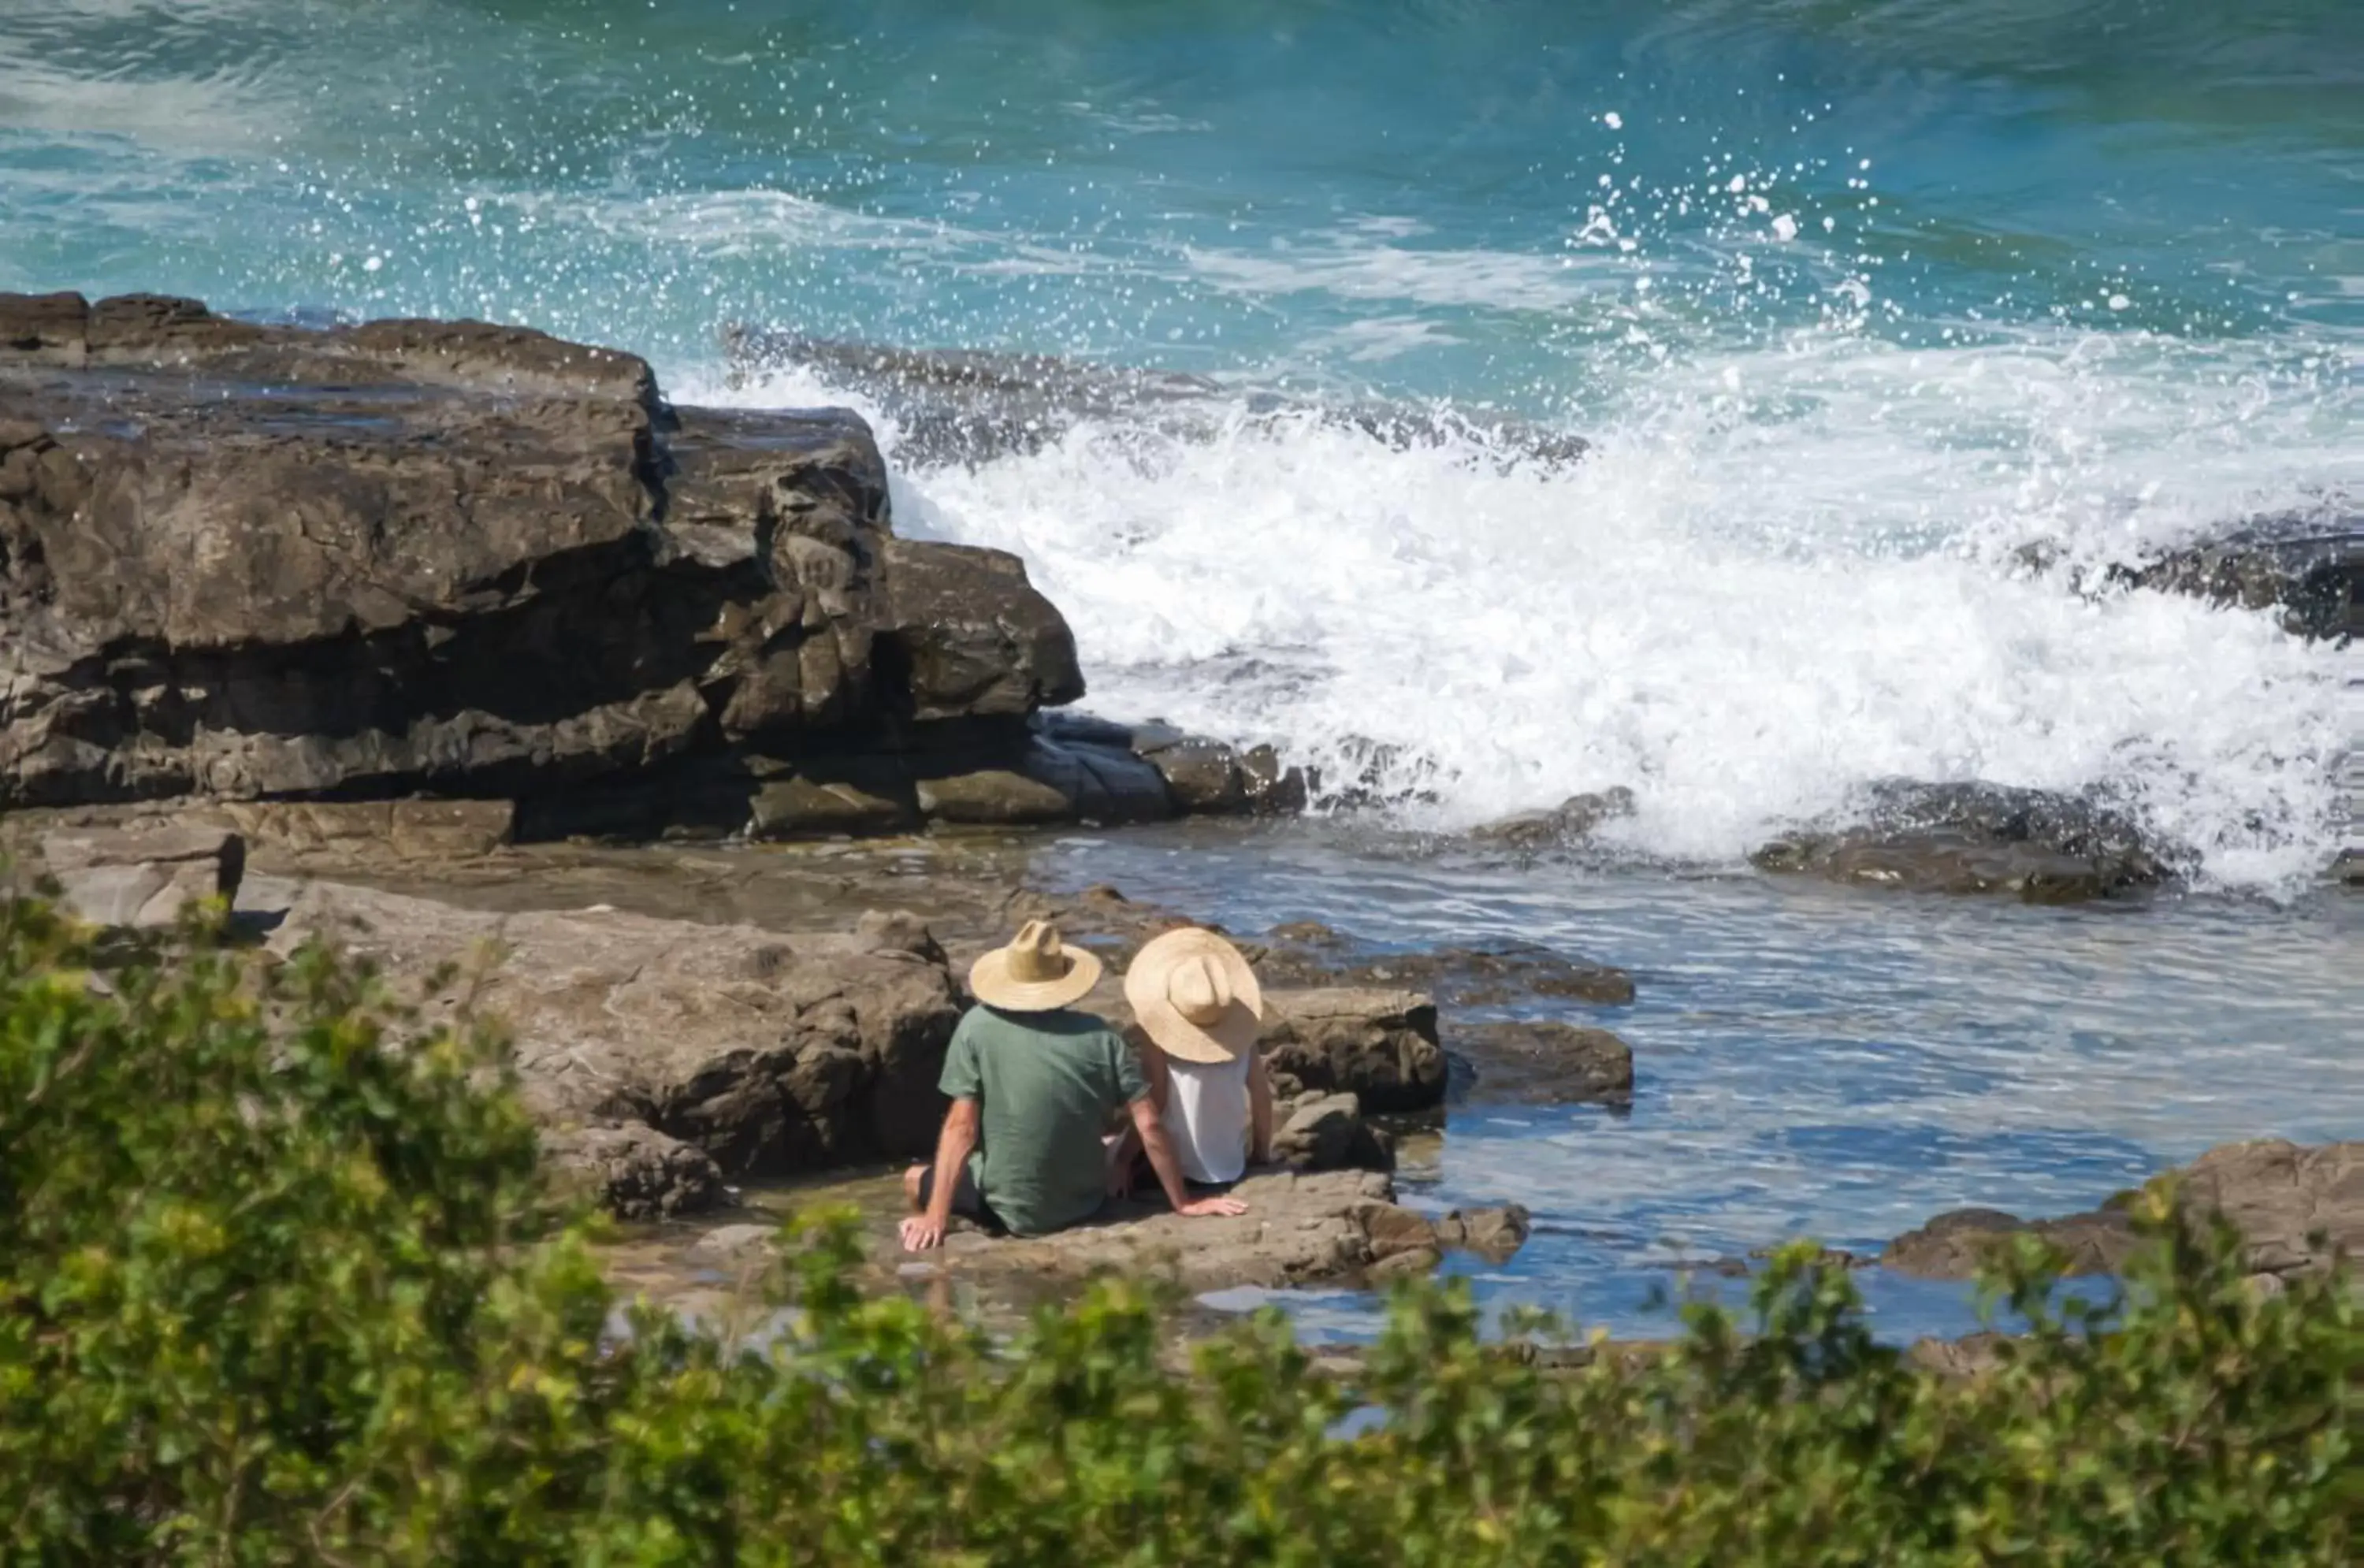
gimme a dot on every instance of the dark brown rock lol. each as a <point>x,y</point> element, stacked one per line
<point>1954,1245</point>
<point>1468,976</point>
<point>1543,1063</point>
<point>1975,837</point>
<point>1273,788</point>
<point>2297,1209</point>
<point>1000,651</point>
<point>1178,773</point>
<point>634,1172</point>
<point>245,563</point>
<point>998,796</point>
<point>1378,1045</point>
<point>799,807</point>
<point>2307,565</point>
<point>1204,776</point>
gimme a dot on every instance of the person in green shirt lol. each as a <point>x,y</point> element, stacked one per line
<point>1032,1085</point>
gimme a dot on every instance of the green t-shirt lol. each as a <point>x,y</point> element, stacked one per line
<point>1045,1084</point>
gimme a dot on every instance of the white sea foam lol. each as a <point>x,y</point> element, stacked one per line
<point>1783,574</point>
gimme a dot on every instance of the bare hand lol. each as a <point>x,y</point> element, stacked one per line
<point>921,1233</point>
<point>1212,1207</point>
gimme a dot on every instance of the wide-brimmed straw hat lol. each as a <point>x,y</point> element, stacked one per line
<point>1196,997</point>
<point>1036,973</point>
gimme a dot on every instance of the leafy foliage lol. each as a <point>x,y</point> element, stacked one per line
<point>279,1284</point>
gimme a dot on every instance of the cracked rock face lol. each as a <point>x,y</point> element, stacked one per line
<point>241,561</point>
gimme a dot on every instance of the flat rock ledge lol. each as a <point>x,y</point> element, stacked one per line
<point>1331,1227</point>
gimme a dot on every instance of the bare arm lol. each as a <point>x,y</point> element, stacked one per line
<point>1151,1129</point>
<point>954,1145</point>
<point>1259,1113</point>
<point>1152,1067</point>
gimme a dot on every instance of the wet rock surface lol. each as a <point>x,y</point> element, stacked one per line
<point>1975,837</point>
<point>1571,822</point>
<point>1539,1062</point>
<point>2308,566</point>
<point>2296,1208</point>
<point>1310,953</point>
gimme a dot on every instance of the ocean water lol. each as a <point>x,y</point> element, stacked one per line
<point>1853,299</point>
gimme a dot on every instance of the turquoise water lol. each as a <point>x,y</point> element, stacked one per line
<point>1855,300</point>
<point>1460,200</point>
<point>1852,300</point>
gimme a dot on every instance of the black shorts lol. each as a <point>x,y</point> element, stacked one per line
<point>967,1199</point>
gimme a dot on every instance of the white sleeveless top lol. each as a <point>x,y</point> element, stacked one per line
<point>1206,1118</point>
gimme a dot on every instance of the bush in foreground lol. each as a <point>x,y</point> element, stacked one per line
<point>279,1284</point>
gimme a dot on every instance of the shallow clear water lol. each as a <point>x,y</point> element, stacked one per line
<point>1853,299</point>
<point>1814,1062</point>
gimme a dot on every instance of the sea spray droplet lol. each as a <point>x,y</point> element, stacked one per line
<point>1785,228</point>
<point>1613,120</point>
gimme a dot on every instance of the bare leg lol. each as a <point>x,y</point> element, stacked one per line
<point>912,1180</point>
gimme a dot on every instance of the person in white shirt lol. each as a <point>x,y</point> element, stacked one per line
<point>1199,1010</point>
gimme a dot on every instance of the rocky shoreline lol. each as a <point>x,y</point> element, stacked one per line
<point>248,562</point>
<point>403,633</point>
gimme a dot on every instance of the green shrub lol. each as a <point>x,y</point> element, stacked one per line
<point>279,1284</point>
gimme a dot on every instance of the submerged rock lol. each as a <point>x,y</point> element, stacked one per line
<point>1571,822</point>
<point>1974,838</point>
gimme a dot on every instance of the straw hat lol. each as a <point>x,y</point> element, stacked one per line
<point>1036,974</point>
<point>1196,997</point>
